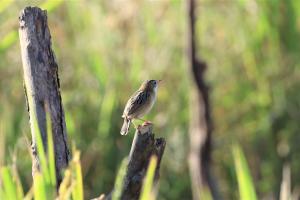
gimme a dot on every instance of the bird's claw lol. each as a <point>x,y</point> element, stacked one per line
<point>147,123</point>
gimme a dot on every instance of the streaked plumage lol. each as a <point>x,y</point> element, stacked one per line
<point>139,103</point>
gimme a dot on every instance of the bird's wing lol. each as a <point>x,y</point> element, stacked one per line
<point>136,101</point>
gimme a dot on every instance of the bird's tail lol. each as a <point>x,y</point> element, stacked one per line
<point>125,126</point>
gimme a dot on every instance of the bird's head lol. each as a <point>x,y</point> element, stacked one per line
<point>150,85</point>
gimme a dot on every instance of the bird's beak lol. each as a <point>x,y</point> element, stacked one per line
<point>159,81</point>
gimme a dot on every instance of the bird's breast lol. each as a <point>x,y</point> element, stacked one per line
<point>147,106</point>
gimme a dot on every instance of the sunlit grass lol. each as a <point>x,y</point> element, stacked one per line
<point>246,186</point>
<point>44,180</point>
<point>147,192</point>
<point>43,186</point>
<point>117,191</point>
<point>9,189</point>
<point>77,192</point>
<point>205,193</point>
<point>106,49</point>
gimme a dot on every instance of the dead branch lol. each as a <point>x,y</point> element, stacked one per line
<point>201,122</point>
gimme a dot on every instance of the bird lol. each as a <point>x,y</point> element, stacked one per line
<point>139,104</point>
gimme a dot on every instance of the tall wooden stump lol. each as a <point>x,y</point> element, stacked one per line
<point>42,86</point>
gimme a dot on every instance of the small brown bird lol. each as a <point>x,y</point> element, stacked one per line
<point>139,104</point>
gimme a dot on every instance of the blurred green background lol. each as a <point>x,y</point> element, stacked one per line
<point>105,49</point>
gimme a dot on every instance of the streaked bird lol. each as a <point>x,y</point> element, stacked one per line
<point>139,104</point>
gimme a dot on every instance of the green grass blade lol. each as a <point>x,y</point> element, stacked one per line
<point>65,184</point>
<point>16,178</point>
<point>246,187</point>
<point>77,192</point>
<point>37,134</point>
<point>147,193</point>
<point>51,158</point>
<point>39,187</point>
<point>44,185</point>
<point>205,193</point>
<point>29,194</point>
<point>41,152</point>
<point>9,187</point>
<point>120,180</point>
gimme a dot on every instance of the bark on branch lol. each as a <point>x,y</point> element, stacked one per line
<point>201,122</point>
<point>144,145</point>
<point>42,86</point>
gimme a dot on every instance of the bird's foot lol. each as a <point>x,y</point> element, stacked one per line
<point>147,123</point>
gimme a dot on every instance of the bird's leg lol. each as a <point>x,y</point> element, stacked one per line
<point>146,122</point>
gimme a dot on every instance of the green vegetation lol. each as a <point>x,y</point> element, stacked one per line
<point>246,187</point>
<point>105,49</point>
<point>147,193</point>
<point>119,180</point>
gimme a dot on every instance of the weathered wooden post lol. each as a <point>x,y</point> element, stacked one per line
<point>41,85</point>
<point>144,145</point>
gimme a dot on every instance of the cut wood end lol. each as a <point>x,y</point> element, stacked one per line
<point>30,11</point>
<point>146,128</point>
